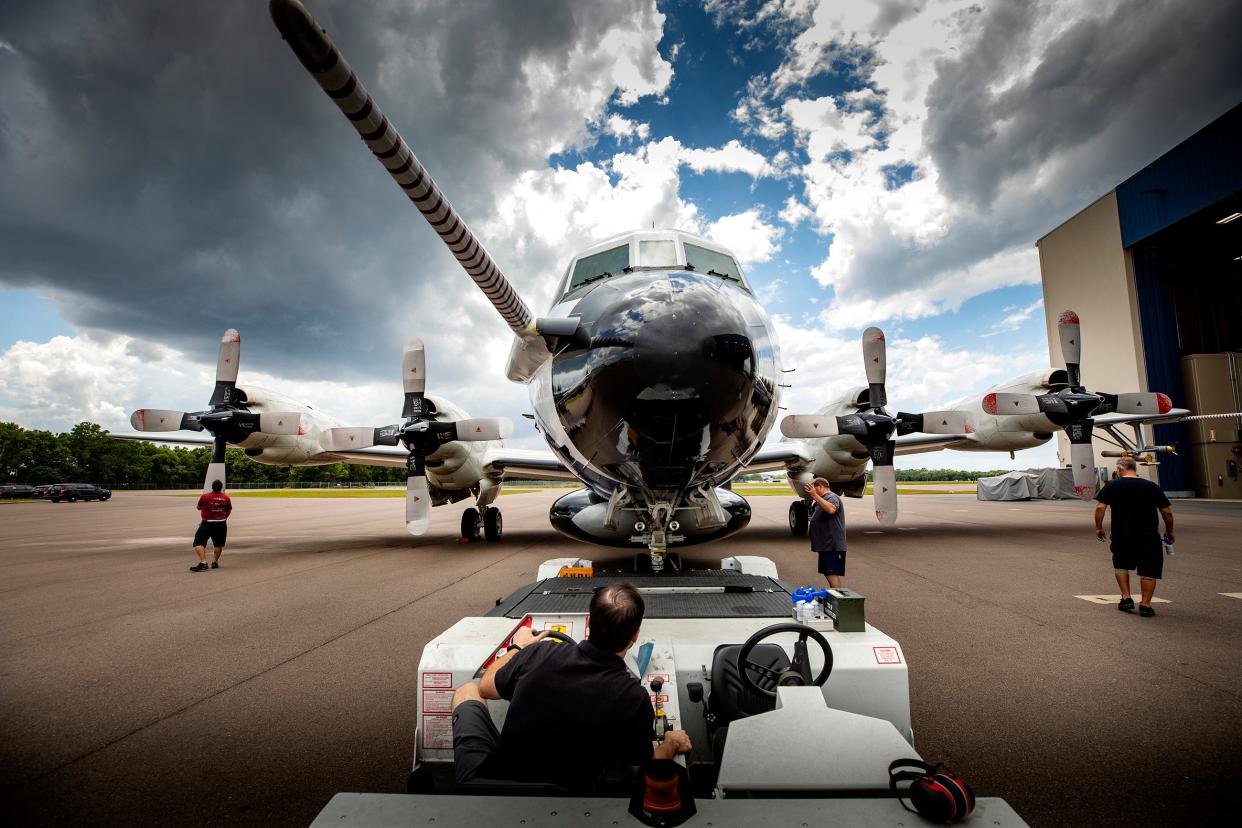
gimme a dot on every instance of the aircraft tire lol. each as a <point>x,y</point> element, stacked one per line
<point>798,519</point>
<point>470,524</point>
<point>493,524</point>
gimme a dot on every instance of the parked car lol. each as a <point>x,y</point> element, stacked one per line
<point>13,491</point>
<point>77,491</point>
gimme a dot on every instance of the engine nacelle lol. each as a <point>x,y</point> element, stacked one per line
<point>581,514</point>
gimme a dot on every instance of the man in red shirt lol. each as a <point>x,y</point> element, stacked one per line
<point>215,507</point>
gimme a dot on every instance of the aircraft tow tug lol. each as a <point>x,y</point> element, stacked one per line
<point>804,734</point>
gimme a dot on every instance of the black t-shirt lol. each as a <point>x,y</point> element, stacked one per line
<point>1136,504</point>
<point>827,531</point>
<point>572,709</point>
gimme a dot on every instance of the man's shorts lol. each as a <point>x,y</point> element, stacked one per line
<point>216,530</point>
<point>832,563</point>
<point>1147,558</point>
<point>474,738</point>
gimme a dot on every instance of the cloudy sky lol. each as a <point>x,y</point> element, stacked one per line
<point>169,170</point>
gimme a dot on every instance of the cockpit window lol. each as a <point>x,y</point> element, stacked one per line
<point>709,261</point>
<point>600,266</point>
<point>657,254</point>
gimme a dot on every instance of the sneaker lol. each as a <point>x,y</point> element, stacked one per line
<point>215,564</point>
<point>1126,605</point>
<point>202,567</point>
<point>1146,611</point>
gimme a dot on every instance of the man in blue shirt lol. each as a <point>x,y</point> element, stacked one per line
<point>827,530</point>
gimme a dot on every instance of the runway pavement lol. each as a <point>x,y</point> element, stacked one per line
<point>136,692</point>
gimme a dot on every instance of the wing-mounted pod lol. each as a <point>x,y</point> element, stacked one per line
<point>330,70</point>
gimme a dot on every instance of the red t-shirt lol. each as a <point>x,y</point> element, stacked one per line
<point>215,506</point>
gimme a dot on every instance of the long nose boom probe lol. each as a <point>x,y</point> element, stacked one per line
<point>331,71</point>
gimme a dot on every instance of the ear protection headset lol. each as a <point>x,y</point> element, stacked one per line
<point>936,794</point>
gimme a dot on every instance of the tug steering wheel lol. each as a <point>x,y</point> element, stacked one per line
<point>559,636</point>
<point>799,672</point>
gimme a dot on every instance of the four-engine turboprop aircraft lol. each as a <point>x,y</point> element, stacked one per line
<point>653,378</point>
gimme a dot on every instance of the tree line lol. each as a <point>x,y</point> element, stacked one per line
<point>86,454</point>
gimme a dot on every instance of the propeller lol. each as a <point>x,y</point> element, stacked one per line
<point>228,420</point>
<point>874,427</point>
<point>419,433</point>
<point>1072,407</point>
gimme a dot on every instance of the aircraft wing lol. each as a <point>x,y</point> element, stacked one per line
<point>513,462</point>
<point>778,458</point>
<point>170,438</point>
<point>920,443</point>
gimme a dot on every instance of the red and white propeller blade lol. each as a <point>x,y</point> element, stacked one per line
<point>346,439</point>
<point>484,428</point>
<point>1071,338</point>
<point>944,422</point>
<point>874,357</point>
<point>215,471</point>
<point>283,423</point>
<point>1082,459</point>
<point>156,419</point>
<point>230,355</point>
<point>414,367</point>
<point>1002,403</point>
<point>417,505</point>
<point>884,492</point>
<point>1145,403</point>
<point>809,425</point>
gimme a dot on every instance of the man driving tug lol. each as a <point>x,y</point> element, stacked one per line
<point>572,708</point>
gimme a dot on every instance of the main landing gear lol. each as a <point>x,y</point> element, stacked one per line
<point>798,518</point>
<point>489,524</point>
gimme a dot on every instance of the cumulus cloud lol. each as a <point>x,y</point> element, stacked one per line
<point>732,157</point>
<point>1014,317</point>
<point>623,127</point>
<point>973,130</point>
<point>750,238</point>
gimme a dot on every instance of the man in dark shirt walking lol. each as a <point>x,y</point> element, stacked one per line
<point>1135,534</point>
<point>214,507</point>
<point>572,709</point>
<point>827,530</point>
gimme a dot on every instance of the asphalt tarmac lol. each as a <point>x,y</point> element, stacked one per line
<point>135,692</point>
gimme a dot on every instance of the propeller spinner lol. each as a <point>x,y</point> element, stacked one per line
<point>874,427</point>
<point>1072,406</point>
<point>228,420</point>
<point>420,434</point>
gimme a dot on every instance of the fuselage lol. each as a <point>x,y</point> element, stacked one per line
<point>669,383</point>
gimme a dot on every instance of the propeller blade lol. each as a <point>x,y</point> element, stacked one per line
<point>346,439</point>
<point>1082,458</point>
<point>875,361</point>
<point>417,496</point>
<point>159,419</point>
<point>884,488</point>
<point>483,428</point>
<point>226,369</point>
<point>414,378</point>
<point>215,469</point>
<point>1145,403</point>
<point>1071,345</point>
<point>809,425</point>
<point>932,422</point>
<point>283,423</point>
<point>1002,403</point>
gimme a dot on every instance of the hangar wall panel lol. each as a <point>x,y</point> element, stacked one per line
<point>1085,269</point>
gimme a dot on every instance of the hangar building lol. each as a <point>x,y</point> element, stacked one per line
<point>1154,270</point>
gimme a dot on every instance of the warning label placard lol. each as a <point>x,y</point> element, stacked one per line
<point>653,676</point>
<point>562,627</point>
<point>886,655</point>
<point>437,701</point>
<point>437,731</point>
<point>441,681</point>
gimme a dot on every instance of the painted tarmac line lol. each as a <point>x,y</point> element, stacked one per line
<point>1237,595</point>
<point>1113,599</point>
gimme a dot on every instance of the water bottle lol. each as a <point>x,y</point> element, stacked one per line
<point>1168,545</point>
<point>798,610</point>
